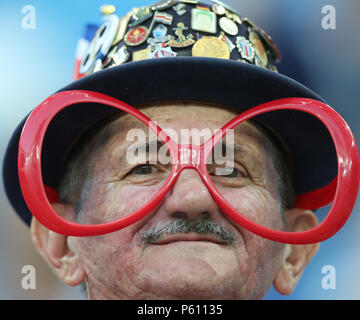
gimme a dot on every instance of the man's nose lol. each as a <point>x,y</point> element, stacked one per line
<point>189,198</point>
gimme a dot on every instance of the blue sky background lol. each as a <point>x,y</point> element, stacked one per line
<point>35,63</point>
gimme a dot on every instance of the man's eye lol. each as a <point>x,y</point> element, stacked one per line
<point>229,173</point>
<point>143,169</point>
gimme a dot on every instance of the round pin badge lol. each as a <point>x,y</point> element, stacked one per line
<point>228,26</point>
<point>211,47</point>
<point>136,36</point>
<point>228,8</point>
<point>218,9</point>
<point>180,9</point>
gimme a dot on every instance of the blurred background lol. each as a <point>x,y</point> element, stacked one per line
<point>36,62</point>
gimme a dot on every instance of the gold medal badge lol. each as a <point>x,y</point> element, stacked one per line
<point>211,47</point>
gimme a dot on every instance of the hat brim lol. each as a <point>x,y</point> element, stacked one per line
<point>229,83</point>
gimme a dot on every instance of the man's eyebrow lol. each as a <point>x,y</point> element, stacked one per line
<point>235,148</point>
<point>148,146</point>
<point>241,152</point>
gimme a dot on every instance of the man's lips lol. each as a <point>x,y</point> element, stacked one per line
<point>187,237</point>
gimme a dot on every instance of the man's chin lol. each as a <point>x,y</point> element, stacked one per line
<point>191,270</point>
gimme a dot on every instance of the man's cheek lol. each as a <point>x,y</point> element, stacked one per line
<point>130,198</point>
<point>256,204</point>
<point>114,202</point>
<point>111,254</point>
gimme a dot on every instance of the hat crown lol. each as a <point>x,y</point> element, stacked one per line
<point>172,28</point>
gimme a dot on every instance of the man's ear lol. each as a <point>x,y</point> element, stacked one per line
<point>296,257</point>
<point>56,251</point>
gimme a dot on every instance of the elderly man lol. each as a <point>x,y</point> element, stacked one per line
<point>155,258</point>
<point>182,194</point>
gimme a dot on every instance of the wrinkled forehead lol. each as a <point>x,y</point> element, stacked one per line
<point>187,118</point>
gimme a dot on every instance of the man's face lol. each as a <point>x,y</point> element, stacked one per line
<point>187,266</point>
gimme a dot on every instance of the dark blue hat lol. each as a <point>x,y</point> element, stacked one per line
<point>183,51</point>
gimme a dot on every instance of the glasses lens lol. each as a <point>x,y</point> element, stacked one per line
<point>249,169</point>
<point>114,170</point>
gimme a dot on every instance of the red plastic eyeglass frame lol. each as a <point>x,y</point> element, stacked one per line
<point>342,191</point>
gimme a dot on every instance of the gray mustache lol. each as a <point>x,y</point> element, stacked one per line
<point>201,226</point>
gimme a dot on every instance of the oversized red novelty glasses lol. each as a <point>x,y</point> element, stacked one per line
<point>140,189</point>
